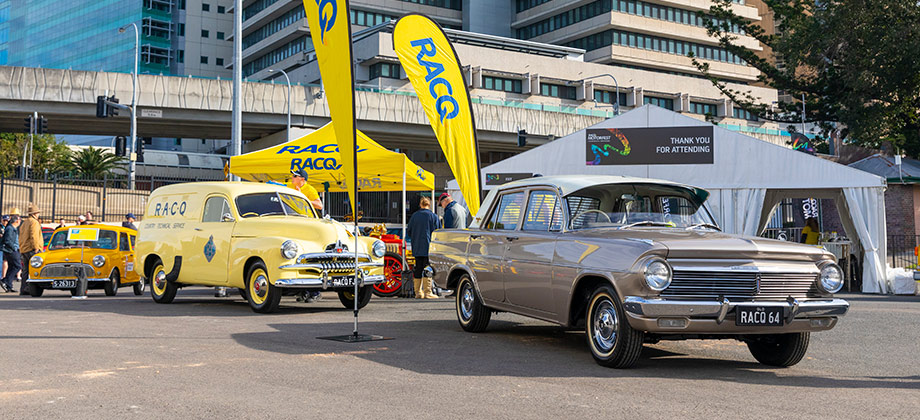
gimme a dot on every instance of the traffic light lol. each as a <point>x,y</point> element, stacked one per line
<point>28,125</point>
<point>522,138</point>
<point>139,148</point>
<point>111,110</point>
<point>41,126</point>
<point>101,107</point>
<point>120,144</point>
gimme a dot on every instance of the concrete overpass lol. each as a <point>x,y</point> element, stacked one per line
<point>170,106</point>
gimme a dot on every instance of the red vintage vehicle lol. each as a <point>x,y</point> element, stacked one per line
<point>392,262</point>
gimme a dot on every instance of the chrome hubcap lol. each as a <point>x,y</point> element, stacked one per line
<point>261,286</point>
<point>605,324</point>
<point>160,279</point>
<point>466,302</point>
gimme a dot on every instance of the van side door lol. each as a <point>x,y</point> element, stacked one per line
<point>207,260</point>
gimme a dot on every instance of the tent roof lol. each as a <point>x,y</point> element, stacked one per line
<point>379,169</point>
<point>739,161</point>
<point>884,166</point>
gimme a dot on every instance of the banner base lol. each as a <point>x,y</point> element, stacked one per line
<point>355,338</point>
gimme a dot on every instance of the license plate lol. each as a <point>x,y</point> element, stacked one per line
<point>63,284</point>
<point>343,281</point>
<point>764,316</point>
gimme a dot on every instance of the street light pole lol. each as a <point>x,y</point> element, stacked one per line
<point>236,134</point>
<point>616,100</point>
<point>288,100</point>
<point>131,157</point>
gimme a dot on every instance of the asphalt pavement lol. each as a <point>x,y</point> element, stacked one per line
<point>207,357</point>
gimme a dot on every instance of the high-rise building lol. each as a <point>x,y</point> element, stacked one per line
<point>4,30</point>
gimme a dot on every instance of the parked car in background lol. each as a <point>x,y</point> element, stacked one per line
<point>634,261</point>
<point>108,263</point>
<point>263,239</point>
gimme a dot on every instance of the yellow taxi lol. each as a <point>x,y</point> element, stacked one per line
<point>263,239</point>
<point>107,262</point>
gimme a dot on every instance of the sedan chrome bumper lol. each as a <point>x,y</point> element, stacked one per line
<point>327,282</point>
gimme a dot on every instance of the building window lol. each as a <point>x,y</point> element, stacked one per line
<point>221,9</point>
<point>219,61</point>
<point>522,5</point>
<point>205,7</point>
<point>502,84</point>
<point>557,91</point>
<point>181,29</point>
<point>606,96</point>
<point>445,4</point>
<point>653,43</point>
<point>294,16</point>
<point>204,33</point>
<point>204,59</point>
<point>743,114</point>
<point>387,70</point>
<point>270,58</point>
<point>180,56</point>
<point>256,7</point>
<point>362,18</point>
<point>666,103</point>
<point>220,35</point>
<point>704,109</point>
<point>180,4</point>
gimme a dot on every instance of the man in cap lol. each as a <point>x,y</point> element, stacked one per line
<point>81,220</point>
<point>129,221</point>
<point>299,183</point>
<point>454,213</point>
<point>30,243</point>
<point>9,247</point>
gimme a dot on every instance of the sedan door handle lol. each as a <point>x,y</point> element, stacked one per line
<point>199,229</point>
<point>512,238</point>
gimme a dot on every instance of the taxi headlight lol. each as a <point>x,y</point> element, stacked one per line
<point>289,249</point>
<point>36,261</point>
<point>831,280</point>
<point>379,248</point>
<point>658,275</point>
<point>99,261</point>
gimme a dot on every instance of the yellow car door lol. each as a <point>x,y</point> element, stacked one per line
<point>207,261</point>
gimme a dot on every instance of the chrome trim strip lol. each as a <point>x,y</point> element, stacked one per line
<point>319,266</point>
<point>656,307</point>
<point>747,269</point>
<point>723,310</point>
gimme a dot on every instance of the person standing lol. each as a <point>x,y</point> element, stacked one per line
<point>299,183</point>
<point>129,221</point>
<point>5,220</point>
<point>421,225</point>
<point>454,213</point>
<point>30,243</point>
<point>81,220</point>
<point>10,248</point>
<point>89,218</point>
<point>811,231</point>
<point>61,223</point>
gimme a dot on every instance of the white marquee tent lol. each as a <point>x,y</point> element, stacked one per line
<point>747,179</point>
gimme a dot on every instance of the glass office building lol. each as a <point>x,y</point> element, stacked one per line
<point>4,30</point>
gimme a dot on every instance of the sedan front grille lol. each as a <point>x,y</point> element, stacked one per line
<point>65,270</point>
<point>715,284</point>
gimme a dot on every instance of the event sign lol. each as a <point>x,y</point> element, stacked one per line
<point>502,178</point>
<point>83,234</point>
<point>649,146</point>
<point>431,64</point>
<point>331,35</point>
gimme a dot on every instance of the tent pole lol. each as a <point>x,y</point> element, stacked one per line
<point>404,199</point>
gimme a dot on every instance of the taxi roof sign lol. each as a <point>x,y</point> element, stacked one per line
<point>83,234</point>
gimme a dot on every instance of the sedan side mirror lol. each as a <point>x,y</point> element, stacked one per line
<point>227,217</point>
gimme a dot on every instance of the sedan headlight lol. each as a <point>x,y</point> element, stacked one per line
<point>36,261</point>
<point>831,280</point>
<point>658,275</point>
<point>99,261</point>
<point>379,249</point>
<point>289,249</point>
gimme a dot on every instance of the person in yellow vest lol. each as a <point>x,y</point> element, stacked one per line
<point>299,183</point>
<point>811,231</point>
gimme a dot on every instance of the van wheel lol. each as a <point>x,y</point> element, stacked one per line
<point>138,287</point>
<point>36,290</point>
<point>472,315</point>
<point>263,296</point>
<point>162,290</point>
<point>780,350</point>
<point>364,297</point>
<point>612,341</point>
<point>111,286</point>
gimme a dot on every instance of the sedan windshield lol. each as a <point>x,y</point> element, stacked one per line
<point>633,205</point>
<point>268,204</point>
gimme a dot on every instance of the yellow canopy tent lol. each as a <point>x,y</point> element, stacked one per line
<point>379,169</point>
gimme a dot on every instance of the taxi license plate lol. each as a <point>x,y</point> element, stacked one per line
<point>63,284</point>
<point>759,316</point>
<point>343,281</point>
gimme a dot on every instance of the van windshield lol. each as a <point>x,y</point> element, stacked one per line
<point>273,204</point>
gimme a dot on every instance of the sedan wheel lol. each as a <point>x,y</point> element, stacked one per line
<point>472,315</point>
<point>612,341</point>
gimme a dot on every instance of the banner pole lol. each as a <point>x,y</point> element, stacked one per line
<point>404,199</point>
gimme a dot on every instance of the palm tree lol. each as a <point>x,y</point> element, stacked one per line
<point>96,163</point>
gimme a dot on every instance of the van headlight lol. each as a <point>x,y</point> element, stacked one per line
<point>289,249</point>
<point>36,261</point>
<point>831,279</point>
<point>658,274</point>
<point>99,261</point>
<point>379,248</point>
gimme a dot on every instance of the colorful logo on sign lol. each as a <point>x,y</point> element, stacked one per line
<point>210,249</point>
<point>326,22</point>
<point>434,70</point>
<point>607,148</point>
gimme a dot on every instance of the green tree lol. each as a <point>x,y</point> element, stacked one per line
<point>48,154</point>
<point>96,163</point>
<point>855,61</point>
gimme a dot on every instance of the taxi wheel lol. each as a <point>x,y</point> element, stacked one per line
<point>472,315</point>
<point>138,287</point>
<point>364,297</point>
<point>162,290</point>
<point>111,286</point>
<point>612,341</point>
<point>263,296</point>
<point>36,290</point>
<point>780,350</point>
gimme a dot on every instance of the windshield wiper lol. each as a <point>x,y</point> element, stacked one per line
<point>704,225</point>
<point>646,223</point>
<point>272,213</point>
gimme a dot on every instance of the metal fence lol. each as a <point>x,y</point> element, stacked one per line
<point>902,250</point>
<point>374,207</point>
<point>793,234</point>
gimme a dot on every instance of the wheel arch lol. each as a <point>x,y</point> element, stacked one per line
<point>582,289</point>
<point>252,260</point>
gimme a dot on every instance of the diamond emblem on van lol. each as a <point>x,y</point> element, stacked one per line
<point>210,249</point>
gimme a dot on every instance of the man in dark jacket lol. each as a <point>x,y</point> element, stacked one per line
<point>454,213</point>
<point>421,224</point>
<point>10,247</point>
